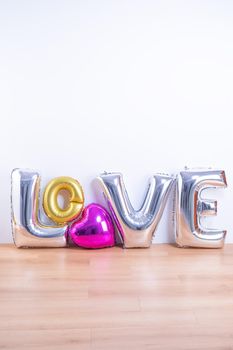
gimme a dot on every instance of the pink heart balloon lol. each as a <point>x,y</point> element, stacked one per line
<point>94,229</point>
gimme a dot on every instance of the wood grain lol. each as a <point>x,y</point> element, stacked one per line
<point>158,298</point>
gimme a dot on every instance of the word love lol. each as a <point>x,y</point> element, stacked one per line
<point>92,227</point>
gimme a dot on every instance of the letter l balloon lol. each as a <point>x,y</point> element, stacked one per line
<point>26,227</point>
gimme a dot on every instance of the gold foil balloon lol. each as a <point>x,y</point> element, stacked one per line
<point>50,201</point>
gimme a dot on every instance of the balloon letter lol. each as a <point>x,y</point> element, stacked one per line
<point>191,207</point>
<point>76,201</point>
<point>135,227</point>
<point>26,227</point>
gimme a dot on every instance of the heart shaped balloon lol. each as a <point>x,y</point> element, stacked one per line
<point>94,229</point>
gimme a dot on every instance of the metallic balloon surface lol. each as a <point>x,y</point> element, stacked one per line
<point>136,227</point>
<point>50,199</point>
<point>94,229</point>
<point>190,208</point>
<point>27,229</point>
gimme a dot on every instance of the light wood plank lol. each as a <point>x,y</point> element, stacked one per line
<point>158,298</point>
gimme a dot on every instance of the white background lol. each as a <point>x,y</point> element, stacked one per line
<point>132,86</point>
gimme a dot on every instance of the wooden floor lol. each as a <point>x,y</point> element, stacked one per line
<point>158,298</point>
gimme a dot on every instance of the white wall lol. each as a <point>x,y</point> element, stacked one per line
<point>137,86</point>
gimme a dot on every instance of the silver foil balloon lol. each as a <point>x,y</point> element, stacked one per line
<point>136,227</point>
<point>26,227</point>
<point>190,208</point>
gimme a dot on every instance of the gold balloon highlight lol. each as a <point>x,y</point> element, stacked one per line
<point>50,199</point>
